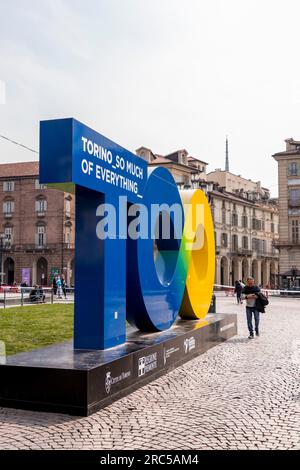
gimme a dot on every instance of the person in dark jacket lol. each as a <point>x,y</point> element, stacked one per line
<point>238,291</point>
<point>250,293</point>
<point>34,295</point>
<point>54,285</point>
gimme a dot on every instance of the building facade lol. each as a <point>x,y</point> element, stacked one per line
<point>245,235</point>
<point>245,217</point>
<point>289,213</point>
<point>36,227</point>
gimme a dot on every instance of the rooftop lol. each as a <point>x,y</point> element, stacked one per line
<point>13,170</point>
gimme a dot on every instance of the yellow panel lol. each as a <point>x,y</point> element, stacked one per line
<point>198,236</point>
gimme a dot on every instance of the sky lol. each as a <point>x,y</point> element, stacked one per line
<point>166,74</point>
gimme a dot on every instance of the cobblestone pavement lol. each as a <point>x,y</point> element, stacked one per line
<point>241,394</point>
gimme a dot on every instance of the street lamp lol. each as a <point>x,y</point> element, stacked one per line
<point>3,243</point>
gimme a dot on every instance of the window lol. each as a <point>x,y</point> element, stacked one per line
<point>245,243</point>
<point>183,159</point>
<point>40,236</point>
<point>39,186</point>
<point>258,245</point>
<point>293,169</point>
<point>8,208</point>
<point>68,207</point>
<point>245,221</point>
<point>41,206</point>
<point>8,233</point>
<point>235,242</point>
<point>235,219</point>
<point>223,216</point>
<point>294,196</point>
<point>68,234</point>
<point>256,224</point>
<point>8,186</point>
<point>295,231</point>
<point>224,240</point>
<point>272,227</point>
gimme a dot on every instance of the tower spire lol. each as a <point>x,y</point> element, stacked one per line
<point>227,156</point>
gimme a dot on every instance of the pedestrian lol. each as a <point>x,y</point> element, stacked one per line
<point>63,285</point>
<point>59,287</point>
<point>41,294</point>
<point>238,291</point>
<point>54,285</point>
<point>250,293</point>
<point>34,294</point>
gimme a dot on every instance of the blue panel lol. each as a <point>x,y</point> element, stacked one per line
<point>155,289</point>
<point>100,275</point>
<point>56,151</point>
<point>71,152</point>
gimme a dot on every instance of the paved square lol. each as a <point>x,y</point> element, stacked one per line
<point>243,394</point>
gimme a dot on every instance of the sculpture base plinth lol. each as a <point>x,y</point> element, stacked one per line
<point>79,382</point>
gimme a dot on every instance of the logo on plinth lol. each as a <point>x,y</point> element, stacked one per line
<point>189,344</point>
<point>110,381</point>
<point>147,363</point>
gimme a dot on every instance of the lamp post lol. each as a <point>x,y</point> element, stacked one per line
<point>3,242</point>
<point>294,275</point>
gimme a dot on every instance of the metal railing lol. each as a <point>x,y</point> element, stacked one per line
<point>21,296</point>
<point>228,291</point>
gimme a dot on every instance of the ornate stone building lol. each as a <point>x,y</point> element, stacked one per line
<point>36,227</point>
<point>245,232</point>
<point>289,213</point>
<point>245,217</point>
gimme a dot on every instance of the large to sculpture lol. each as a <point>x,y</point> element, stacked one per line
<point>144,252</point>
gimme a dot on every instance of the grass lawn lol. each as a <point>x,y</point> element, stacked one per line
<point>27,328</point>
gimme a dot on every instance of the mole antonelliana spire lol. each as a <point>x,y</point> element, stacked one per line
<point>227,157</point>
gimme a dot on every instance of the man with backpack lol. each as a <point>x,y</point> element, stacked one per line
<point>255,303</point>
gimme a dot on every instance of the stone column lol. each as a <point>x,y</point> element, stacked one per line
<point>258,280</point>
<point>33,276</point>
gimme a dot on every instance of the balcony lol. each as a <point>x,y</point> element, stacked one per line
<point>47,247</point>
<point>240,252</point>
<point>285,243</point>
<point>8,215</point>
